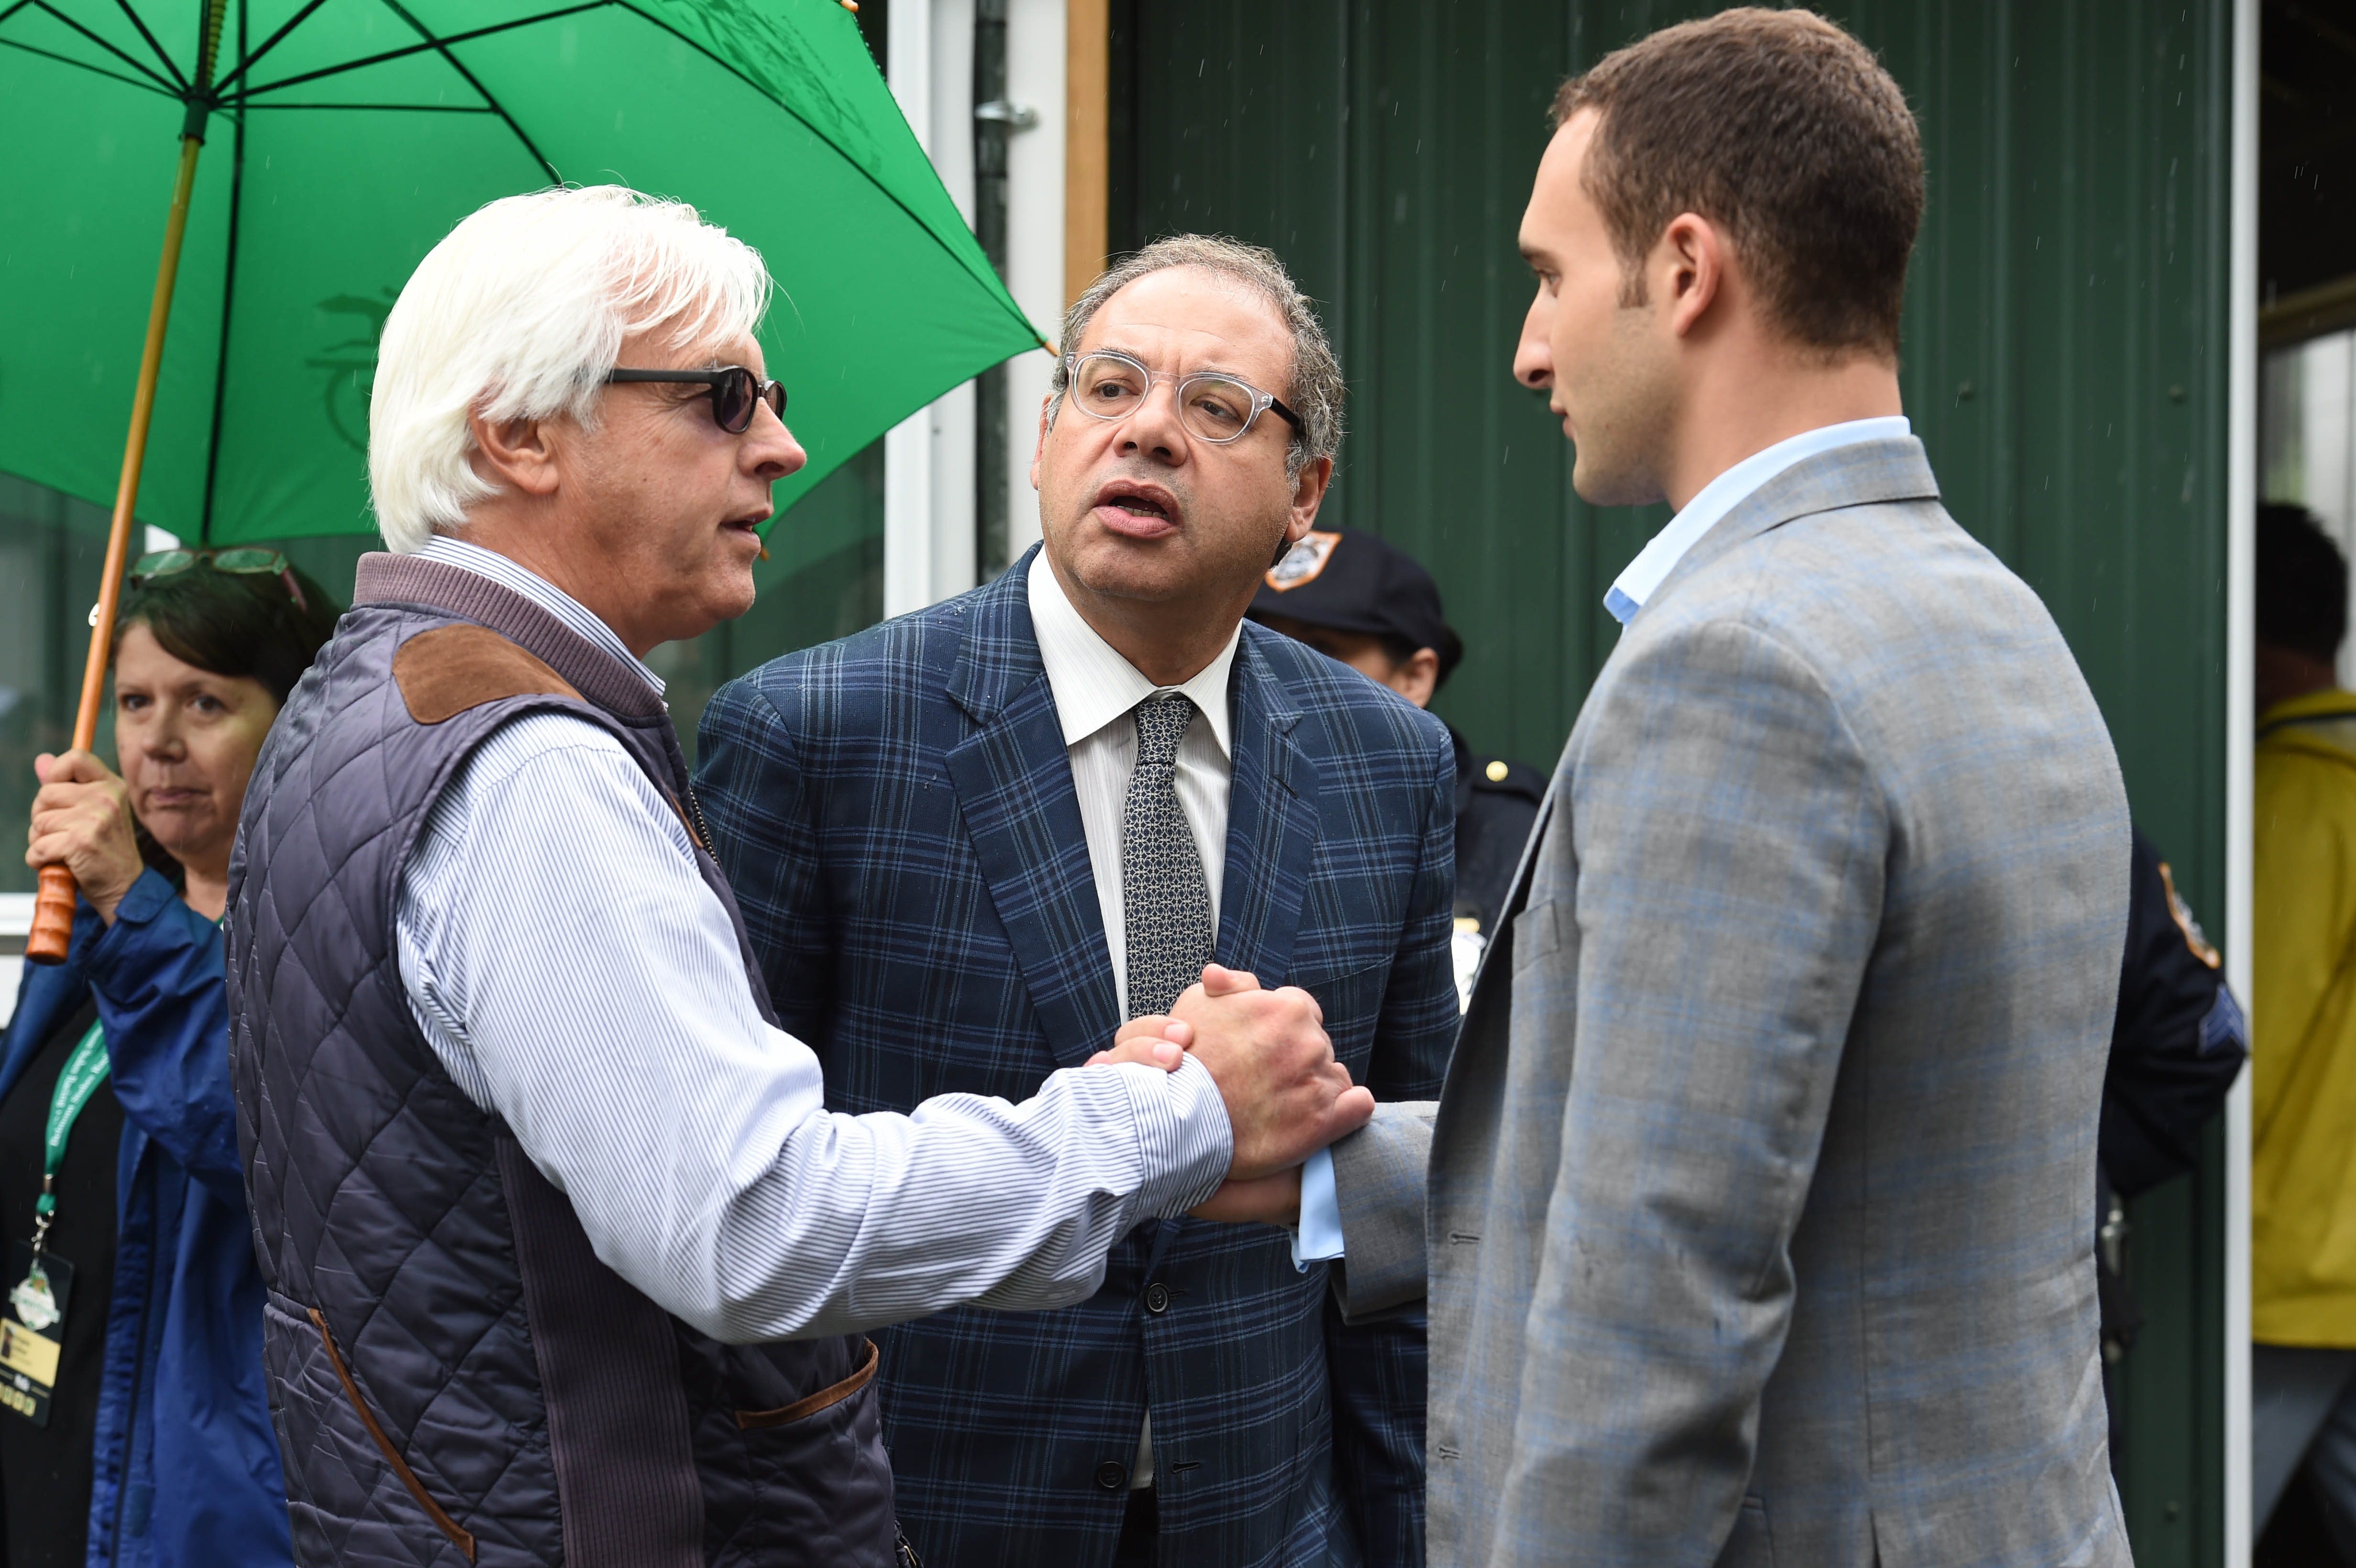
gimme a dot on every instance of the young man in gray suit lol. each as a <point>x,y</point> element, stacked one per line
<point>1760,1186</point>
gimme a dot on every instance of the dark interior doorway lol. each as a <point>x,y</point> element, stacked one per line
<point>2307,327</point>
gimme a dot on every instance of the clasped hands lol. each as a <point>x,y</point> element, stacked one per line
<point>1286,1096</point>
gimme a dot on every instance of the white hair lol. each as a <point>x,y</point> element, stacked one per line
<point>519,312</point>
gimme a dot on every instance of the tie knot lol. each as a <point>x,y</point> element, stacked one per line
<point>1161,723</point>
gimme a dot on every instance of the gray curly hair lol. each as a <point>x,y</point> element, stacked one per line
<point>1316,390</point>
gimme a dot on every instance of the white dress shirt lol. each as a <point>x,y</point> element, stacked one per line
<point>577,978</point>
<point>1096,692</point>
<point>1319,1235</point>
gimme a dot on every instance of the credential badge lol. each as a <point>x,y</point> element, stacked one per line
<point>34,1304</point>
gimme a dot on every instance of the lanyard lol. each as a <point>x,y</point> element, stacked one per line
<point>84,1071</point>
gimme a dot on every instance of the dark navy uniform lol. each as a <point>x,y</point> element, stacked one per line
<point>1496,807</point>
<point>2176,1045</point>
<point>1340,580</point>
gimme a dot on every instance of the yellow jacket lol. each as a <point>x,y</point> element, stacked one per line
<point>2303,1017</point>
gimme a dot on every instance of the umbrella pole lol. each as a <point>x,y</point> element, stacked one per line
<point>53,912</point>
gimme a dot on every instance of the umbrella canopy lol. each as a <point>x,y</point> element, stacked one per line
<point>345,137</point>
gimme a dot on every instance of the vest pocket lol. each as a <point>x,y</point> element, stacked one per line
<point>463,1541</point>
<point>806,1485</point>
<point>804,1408</point>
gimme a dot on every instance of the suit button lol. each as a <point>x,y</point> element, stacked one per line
<point>1112,1476</point>
<point>1157,1297</point>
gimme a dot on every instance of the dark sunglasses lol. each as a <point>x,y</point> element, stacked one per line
<point>734,391</point>
<point>242,562</point>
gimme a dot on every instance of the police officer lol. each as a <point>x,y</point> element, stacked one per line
<point>1353,597</point>
<point>2176,1044</point>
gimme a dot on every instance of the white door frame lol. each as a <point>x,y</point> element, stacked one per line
<point>928,529</point>
<point>2241,560</point>
<point>929,458</point>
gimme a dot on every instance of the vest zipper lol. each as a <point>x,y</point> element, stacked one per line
<point>702,829</point>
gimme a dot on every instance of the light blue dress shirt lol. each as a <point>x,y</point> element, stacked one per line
<point>1653,563</point>
<point>1320,1236</point>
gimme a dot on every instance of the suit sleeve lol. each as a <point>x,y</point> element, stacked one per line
<point>750,786</point>
<point>1730,841</point>
<point>1416,1028</point>
<point>1377,1368</point>
<point>1380,1183</point>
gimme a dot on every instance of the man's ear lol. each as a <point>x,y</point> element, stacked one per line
<point>518,453</point>
<point>1307,495</point>
<point>1039,450</point>
<point>1419,678</point>
<point>1689,270</point>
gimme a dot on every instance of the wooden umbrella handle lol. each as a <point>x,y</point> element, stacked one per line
<point>53,914</point>
<point>53,911</point>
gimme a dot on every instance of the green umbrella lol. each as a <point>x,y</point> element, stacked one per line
<point>344,138</point>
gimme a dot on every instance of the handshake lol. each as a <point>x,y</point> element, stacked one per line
<point>1287,1097</point>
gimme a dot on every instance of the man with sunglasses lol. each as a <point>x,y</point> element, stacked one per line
<point>567,1259</point>
<point>970,842</point>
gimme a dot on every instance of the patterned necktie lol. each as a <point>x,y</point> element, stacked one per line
<point>1166,901</point>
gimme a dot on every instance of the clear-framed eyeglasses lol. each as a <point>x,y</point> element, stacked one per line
<point>1108,385</point>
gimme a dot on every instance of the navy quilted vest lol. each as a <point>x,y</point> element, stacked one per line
<point>454,1377</point>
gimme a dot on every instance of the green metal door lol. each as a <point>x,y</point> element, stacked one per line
<point>2064,363</point>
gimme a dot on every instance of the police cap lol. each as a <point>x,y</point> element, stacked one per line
<point>1347,581</point>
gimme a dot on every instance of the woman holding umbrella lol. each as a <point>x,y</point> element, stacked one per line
<point>138,1424</point>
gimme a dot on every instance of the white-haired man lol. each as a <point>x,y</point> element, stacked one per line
<point>538,1185</point>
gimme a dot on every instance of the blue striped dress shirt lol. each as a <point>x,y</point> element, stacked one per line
<point>576,977</point>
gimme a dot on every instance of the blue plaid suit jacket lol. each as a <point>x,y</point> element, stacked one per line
<point>896,813</point>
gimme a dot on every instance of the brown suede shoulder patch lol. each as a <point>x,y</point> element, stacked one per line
<point>445,672</point>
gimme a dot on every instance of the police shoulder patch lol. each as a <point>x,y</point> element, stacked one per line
<point>2194,938</point>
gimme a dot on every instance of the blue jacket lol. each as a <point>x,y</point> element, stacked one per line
<point>188,1473</point>
<point>897,816</point>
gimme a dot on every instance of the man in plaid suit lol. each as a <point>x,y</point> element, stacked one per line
<point>971,841</point>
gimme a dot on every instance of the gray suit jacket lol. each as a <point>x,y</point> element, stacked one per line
<point>1759,1195</point>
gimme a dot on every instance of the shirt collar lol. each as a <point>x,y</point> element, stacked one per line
<point>1092,684</point>
<point>1653,563</point>
<point>518,579</point>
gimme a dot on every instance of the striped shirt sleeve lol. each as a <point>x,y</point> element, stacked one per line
<point>578,979</point>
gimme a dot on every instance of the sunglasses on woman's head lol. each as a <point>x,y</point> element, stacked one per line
<point>734,392</point>
<point>239,562</point>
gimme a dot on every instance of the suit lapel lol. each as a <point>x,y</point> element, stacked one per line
<point>1272,822</point>
<point>1013,782</point>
